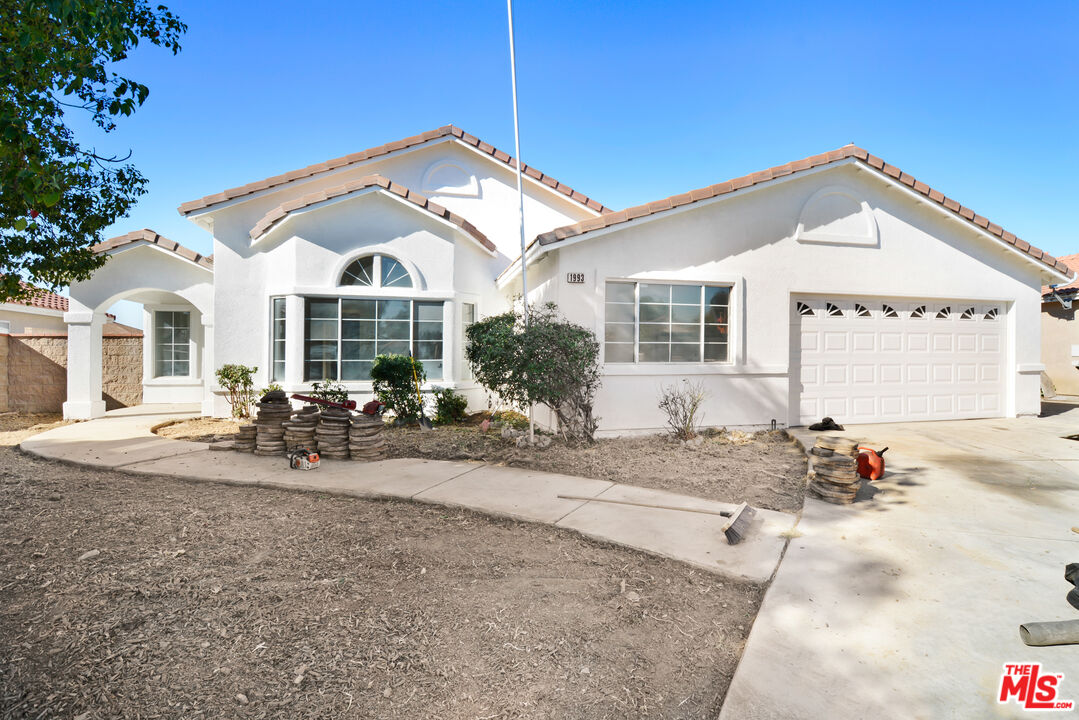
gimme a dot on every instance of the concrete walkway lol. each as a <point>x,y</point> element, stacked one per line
<point>907,604</point>
<point>123,441</point>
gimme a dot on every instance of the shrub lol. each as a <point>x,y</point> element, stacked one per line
<point>395,385</point>
<point>549,361</point>
<point>515,420</point>
<point>450,405</point>
<point>239,388</point>
<point>329,390</point>
<point>682,405</point>
<point>272,387</point>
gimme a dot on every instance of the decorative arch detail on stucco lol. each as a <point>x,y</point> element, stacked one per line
<point>837,215</point>
<point>446,178</point>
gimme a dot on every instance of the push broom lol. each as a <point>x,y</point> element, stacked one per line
<point>735,529</point>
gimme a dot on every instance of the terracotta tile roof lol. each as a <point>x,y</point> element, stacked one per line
<point>1072,261</point>
<point>791,168</point>
<point>115,329</point>
<point>147,235</point>
<point>280,212</point>
<point>43,299</point>
<point>370,153</point>
<point>48,300</point>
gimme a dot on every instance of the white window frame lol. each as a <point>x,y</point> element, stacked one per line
<point>376,273</point>
<point>192,349</point>
<point>735,321</point>
<point>411,329</point>
<point>274,339</point>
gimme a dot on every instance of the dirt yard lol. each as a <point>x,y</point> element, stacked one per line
<point>766,469</point>
<point>124,596</point>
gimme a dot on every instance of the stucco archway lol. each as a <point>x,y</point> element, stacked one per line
<point>163,276</point>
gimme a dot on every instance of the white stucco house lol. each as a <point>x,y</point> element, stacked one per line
<point>835,285</point>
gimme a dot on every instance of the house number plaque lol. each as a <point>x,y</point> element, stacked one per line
<point>575,278</point>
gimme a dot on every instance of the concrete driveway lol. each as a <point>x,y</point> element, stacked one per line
<point>907,604</point>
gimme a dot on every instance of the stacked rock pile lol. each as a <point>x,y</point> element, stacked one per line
<point>365,441</point>
<point>245,439</point>
<point>833,470</point>
<point>273,410</point>
<point>332,433</point>
<point>300,430</point>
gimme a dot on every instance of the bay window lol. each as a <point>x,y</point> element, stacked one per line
<point>666,323</point>
<point>342,336</point>
<point>277,373</point>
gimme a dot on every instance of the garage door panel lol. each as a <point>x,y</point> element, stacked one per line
<point>874,359</point>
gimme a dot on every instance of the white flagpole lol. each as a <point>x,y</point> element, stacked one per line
<point>520,194</point>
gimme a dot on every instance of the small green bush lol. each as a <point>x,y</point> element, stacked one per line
<point>239,387</point>
<point>329,390</point>
<point>450,405</point>
<point>395,386</point>
<point>514,419</point>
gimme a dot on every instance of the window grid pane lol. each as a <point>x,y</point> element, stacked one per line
<point>665,323</point>
<point>172,349</point>
<point>277,366</point>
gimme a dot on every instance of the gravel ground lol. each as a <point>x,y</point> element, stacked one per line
<point>142,597</point>
<point>765,469</point>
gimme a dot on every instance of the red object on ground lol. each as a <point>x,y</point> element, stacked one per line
<point>347,404</point>
<point>870,463</point>
<point>373,408</point>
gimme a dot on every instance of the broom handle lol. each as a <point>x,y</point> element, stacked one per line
<point>721,513</point>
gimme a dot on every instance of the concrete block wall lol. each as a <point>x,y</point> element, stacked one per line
<point>36,376</point>
<point>4,405</point>
<point>121,371</point>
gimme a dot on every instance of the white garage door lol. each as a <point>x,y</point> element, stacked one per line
<point>878,360</point>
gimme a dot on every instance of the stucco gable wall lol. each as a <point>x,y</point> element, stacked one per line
<point>493,210</point>
<point>750,240</point>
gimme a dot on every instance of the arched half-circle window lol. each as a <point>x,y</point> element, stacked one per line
<point>376,271</point>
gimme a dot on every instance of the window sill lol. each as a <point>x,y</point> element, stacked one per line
<point>173,380</point>
<point>692,368</point>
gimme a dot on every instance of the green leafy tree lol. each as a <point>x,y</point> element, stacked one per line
<point>239,387</point>
<point>395,386</point>
<point>551,361</point>
<point>57,196</point>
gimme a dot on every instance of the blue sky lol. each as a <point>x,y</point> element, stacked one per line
<point>627,102</point>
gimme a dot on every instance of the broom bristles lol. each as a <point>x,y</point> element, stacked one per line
<point>738,525</point>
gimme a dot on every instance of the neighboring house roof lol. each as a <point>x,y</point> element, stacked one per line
<point>47,301</point>
<point>42,299</point>
<point>147,235</point>
<point>1072,261</point>
<point>115,329</point>
<point>370,153</point>
<point>279,213</point>
<point>843,153</point>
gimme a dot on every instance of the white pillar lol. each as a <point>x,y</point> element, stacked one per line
<point>84,365</point>
<point>209,379</point>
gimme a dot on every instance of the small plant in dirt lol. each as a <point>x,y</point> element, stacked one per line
<point>272,387</point>
<point>450,406</point>
<point>395,385</point>
<point>239,387</point>
<point>512,418</point>
<point>549,360</point>
<point>330,391</point>
<point>681,403</point>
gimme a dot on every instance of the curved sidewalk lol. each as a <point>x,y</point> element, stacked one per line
<point>125,442</point>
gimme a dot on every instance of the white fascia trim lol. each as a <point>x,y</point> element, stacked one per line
<point>194,214</point>
<point>365,293</point>
<point>360,193</point>
<point>514,267</point>
<point>527,178</point>
<point>30,309</point>
<point>922,199</point>
<point>539,249</point>
<point>168,253</point>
